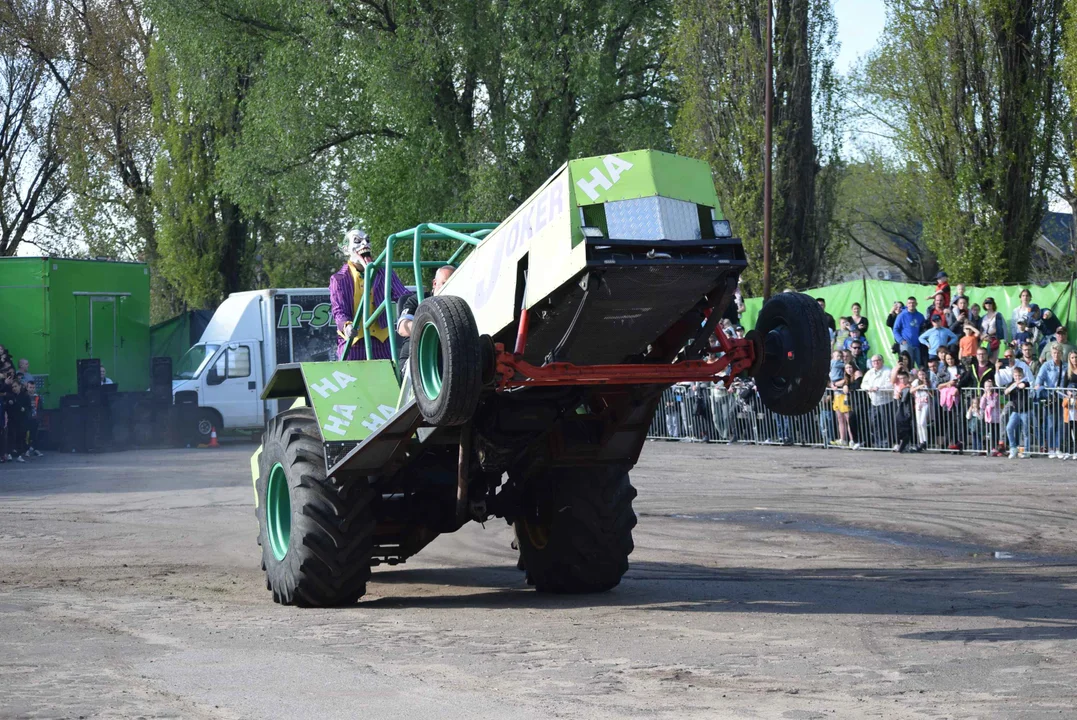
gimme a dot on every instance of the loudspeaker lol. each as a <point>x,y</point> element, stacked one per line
<point>72,425</point>
<point>161,379</point>
<point>185,419</point>
<point>89,380</point>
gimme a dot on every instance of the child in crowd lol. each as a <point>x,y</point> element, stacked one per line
<point>942,285</point>
<point>991,414</point>
<point>904,414</point>
<point>960,292</point>
<point>837,366</point>
<point>855,337</point>
<point>841,335</point>
<point>841,404</point>
<point>969,343</point>
<point>924,404</point>
<point>1023,335</point>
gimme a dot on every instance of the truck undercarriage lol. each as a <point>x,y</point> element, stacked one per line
<point>537,421</point>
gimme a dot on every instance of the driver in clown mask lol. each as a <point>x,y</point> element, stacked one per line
<point>346,288</point>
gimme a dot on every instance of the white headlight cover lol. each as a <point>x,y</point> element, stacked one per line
<point>722,229</point>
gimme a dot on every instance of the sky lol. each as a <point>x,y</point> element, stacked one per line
<point>860,23</point>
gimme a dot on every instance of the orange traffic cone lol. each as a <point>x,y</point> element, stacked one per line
<point>213,438</point>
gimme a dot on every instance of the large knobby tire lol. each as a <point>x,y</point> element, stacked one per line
<point>446,361</point>
<point>316,532</point>
<point>583,544</point>
<point>796,362</point>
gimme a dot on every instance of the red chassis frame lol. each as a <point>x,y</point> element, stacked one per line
<point>512,371</point>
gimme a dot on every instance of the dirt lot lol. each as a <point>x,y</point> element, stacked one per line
<point>766,582</point>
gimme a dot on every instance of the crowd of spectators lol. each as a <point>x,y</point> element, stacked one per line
<point>967,378</point>
<point>20,407</point>
<point>965,374</point>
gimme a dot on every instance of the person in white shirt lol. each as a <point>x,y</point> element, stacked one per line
<point>1004,368</point>
<point>880,391</point>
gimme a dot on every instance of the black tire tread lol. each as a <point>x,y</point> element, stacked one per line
<point>590,536</point>
<point>462,354</point>
<point>328,560</point>
<point>809,327</point>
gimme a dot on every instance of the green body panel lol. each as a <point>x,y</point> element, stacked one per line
<point>286,382</point>
<point>353,398</point>
<point>642,173</point>
<point>58,311</point>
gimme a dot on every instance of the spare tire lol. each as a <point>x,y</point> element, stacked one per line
<point>795,368</point>
<point>446,360</point>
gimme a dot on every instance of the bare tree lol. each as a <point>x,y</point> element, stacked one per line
<point>31,182</point>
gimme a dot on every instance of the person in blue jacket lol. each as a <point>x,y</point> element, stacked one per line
<point>937,337</point>
<point>907,331</point>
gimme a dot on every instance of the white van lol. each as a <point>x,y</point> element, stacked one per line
<point>249,335</point>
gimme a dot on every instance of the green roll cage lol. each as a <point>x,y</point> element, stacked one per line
<point>468,234</point>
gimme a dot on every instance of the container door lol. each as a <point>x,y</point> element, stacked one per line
<point>83,341</point>
<point>103,339</point>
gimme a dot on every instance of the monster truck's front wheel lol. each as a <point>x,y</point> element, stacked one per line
<point>795,368</point>
<point>446,360</point>
<point>316,532</point>
<point>579,539</point>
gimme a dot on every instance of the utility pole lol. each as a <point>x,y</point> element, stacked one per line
<point>768,112</point>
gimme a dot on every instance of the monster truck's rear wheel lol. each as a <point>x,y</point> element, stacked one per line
<point>580,539</point>
<point>316,533</point>
<point>793,375</point>
<point>446,360</point>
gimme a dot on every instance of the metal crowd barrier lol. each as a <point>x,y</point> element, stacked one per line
<point>937,421</point>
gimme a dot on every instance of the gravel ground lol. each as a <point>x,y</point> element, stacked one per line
<point>766,583</point>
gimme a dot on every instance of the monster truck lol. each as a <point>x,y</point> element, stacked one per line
<point>531,383</point>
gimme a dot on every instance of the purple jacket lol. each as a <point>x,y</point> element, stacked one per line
<point>342,300</point>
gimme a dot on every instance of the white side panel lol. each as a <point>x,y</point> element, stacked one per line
<point>238,317</point>
<point>541,226</point>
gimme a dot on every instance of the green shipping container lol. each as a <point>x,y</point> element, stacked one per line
<point>59,311</point>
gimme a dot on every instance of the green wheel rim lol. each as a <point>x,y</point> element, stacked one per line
<point>430,361</point>
<point>278,512</point>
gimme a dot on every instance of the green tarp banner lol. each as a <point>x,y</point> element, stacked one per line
<point>876,297</point>
<point>172,338</point>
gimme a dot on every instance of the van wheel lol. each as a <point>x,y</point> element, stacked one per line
<point>205,421</point>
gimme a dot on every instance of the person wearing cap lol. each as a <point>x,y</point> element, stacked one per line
<point>346,287</point>
<point>942,285</point>
<point>1061,341</point>
<point>1023,334</point>
<point>938,336</point>
<point>855,337</point>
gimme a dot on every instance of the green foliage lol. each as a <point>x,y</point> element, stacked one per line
<point>718,52</point>
<point>387,115</point>
<point>969,90</point>
<point>880,210</point>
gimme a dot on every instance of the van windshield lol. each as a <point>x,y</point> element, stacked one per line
<point>191,364</point>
